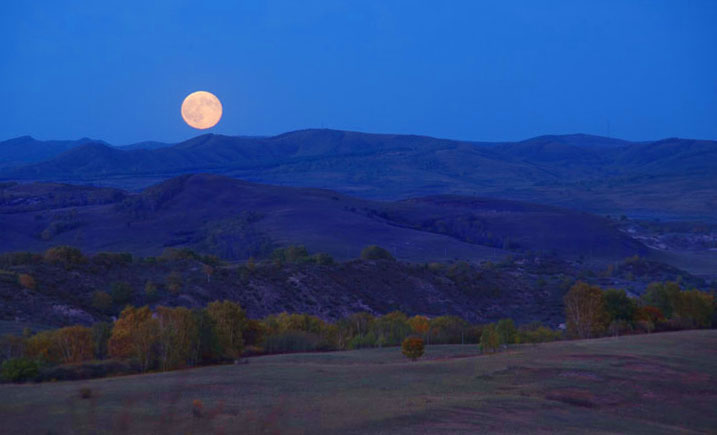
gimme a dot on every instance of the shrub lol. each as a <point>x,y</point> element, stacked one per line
<point>174,282</point>
<point>88,370</point>
<point>66,255</point>
<point>121,292</point>
<point>323,259</point>
<point>412,348</point>
<point>374,252</point>
<point>151,293</point>
<point>102,301</point>
<point>85,393</point>
<point>19,258</point>
<point>19,370</point>
<point>26,281</point>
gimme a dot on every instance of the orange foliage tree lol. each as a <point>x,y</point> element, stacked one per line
<point>134,335</point>
<point>412,347</point>
<point>27,281</point>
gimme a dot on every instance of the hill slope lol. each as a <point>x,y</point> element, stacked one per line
<point>236,219</point>
<point>653,383</point>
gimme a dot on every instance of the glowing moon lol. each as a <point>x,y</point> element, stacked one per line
<point>201,110</point>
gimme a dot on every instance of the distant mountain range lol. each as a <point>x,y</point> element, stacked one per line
<point>670,178</point>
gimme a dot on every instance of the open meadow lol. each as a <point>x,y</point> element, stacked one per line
<point>656,383</point>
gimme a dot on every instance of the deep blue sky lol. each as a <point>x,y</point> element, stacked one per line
<point>482,70</point>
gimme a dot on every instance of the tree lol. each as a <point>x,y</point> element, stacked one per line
<point>507,332</point>
<point>74,344</point>
<point>101,332</point>
<point>102,301</point>
<point>618,305</point>
<point>662,295</point>
<point>134,335</point>
<point>12,346</point>
<point>448,329</point>
<point>121,292</point>
<point>585,310</point>
<point>177,334</point>
<point>151,292</point>
<point>695,305</point>
<point>412,348</point>
<point>206,347</point>
<point>174,282</point>
<point>419,325</point>
<point>66,255</point>
<point>374,252</point>
<point>489,339</point>
<point>208,270</point>
<point>229,319</point>
<point>42,347</point>
<point>27,281</point>
<point>391,328</point>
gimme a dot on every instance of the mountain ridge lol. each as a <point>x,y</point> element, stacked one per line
<point>669,178</point>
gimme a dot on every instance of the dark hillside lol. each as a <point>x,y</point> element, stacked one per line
<point>236,219</point>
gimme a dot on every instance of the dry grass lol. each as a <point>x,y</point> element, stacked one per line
<point>659,383</point>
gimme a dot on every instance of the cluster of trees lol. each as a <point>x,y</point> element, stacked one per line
<point>170,338</point>
<point>591,312</point>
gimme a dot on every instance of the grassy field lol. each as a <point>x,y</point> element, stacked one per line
<point>658,383</point>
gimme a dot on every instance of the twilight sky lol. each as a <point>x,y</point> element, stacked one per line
<point>480,70</point>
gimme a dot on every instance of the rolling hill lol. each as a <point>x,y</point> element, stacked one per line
<point>671,178</point>
<point>236,219</point>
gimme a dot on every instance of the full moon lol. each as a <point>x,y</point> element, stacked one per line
<point>201,110</point>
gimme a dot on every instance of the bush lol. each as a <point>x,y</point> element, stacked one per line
<point>88,370</point>
<point>26,281</point>
<point>323,259</point>
<point>151,293</point>
<point>19,370</point>
<point>66,255</point>
<point>85,393</point>
<point>19,258</point>
<point>412,348</point>
<point>374,252</point>
<point>102,301</point>
<point>121,292</point>
<point>174,282</point>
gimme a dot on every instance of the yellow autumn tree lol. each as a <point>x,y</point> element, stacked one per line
<point>585,312</point>
<point>134,335</point>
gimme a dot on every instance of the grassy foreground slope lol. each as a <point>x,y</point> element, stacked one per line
<point>659,383</point>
